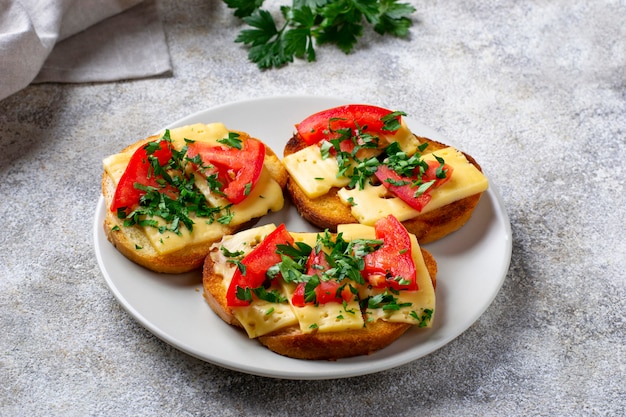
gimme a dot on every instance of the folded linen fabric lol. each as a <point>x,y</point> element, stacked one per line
<point>79,41</point>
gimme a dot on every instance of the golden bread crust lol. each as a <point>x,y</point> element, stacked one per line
<point>133,244</point>
<point>327,211</point>
<point>291,342</point>
<point>335,345</point>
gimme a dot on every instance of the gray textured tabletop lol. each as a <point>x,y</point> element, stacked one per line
<point>536,91</point>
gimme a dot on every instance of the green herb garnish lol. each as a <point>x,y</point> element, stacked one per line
<point>176,196</point>
<point>424,318</point>
<point>308,23</point>
<point>232,140</point>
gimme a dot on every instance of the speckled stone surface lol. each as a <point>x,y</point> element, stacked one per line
<point>535,90</point>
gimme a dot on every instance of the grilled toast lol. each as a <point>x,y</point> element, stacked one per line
<point>358,163</point>
<point>328,211</point>
<point>288,337</point>
<point>144,246</point>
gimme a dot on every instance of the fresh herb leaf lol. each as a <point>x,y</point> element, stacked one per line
<point>393,18</point>
<point>307,23</point>
<point>244,8</point>
<point>227,253</point>
<point>422,188</point>
<point>325,147</point>
<point>440,172</point>
<point>391,121</point>
<point>384,301</point>
<point>267,44</point>
<point>397,183</point>
<point>240,265</point>
<point>227,217</point>
<point>232,140</point>
<point>244,294</point>
<point>247,188</point>
<point>402,163</point>
<point>424,318</point>
<point>272,296</point>
<point>363,170</point>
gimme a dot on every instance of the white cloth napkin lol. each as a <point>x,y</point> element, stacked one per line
<point>76,41</point>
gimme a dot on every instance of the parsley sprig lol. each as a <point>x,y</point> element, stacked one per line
<point>232,140</point>
<point>308,23</point>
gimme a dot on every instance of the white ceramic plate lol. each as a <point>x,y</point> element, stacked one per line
<point>473,263</point>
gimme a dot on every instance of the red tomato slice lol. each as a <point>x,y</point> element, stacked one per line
<point>406,192</point>
<point>326,291</point>
<point>393,259</point>
<point>238,169</point>
<point>431,173</point>
<point>320,125</point>
<point>257,262</point>
<point>297,299</point>
<point>139,171</point>
<point>316,263</point>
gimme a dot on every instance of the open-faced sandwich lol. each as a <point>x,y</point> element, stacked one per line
<point>322,295</point>
<point>170,197</point>
<point>360,163</point>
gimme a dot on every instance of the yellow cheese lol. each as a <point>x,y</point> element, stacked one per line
<point>115,165</point>
<point>375,202</point>
<point>199,132</point>
<point>329,317</point>
<point>356,231</point>
<point>465,181</point>
<point>405,138</point>
<point>261,317</point>
<point>266,196</point>
<point>314,174</point>
<point>422,301</point>
<point>245,240</point>
<point>168,242</point>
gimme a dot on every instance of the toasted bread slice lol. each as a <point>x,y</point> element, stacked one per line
<point>290,341</point>
<point>328,211</point>
<point>134,244</point>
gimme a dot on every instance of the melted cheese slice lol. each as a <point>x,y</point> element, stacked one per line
<point>261,317</point>
<point>266,196</point>
<point>329,317</point>
<point>314,174</point>
<point>199,132</point>
<point>405,138</point>
<point>374,202</point>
